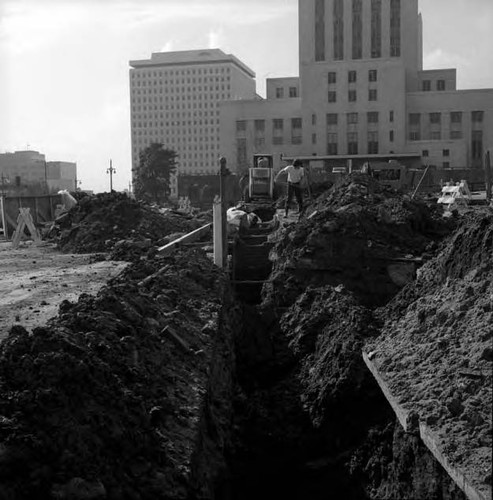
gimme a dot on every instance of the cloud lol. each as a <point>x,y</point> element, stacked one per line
<point>440,59</point>
<point>215,38</point>
<point>168,46</point>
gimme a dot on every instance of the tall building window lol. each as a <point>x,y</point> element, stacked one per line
<point>477,116</point>
<point>391,136</point>
<point>456,117</point>
<point>391,116</point>
<point>395,28</point>
<point>279,92</point>
<point>241,126</point>
<point>351,95</point>
<point>351,76</point>
<point>352,118</point>
<point>259,126</point>
<point>314,119</point>
<point>372,143</point>
<point>372,116</point>
<point>293,92</point>
<point>477,145</point>
<point>296,130</point>
<point>338,30</point>
<point>332,77</point>
<point>426,85</point>
<point>331,96</point>
<point>352,143</point>
<point>414,118</point>
<point>357,29</point>
<point>331,144</point>
<point>277,131</point>
<point>332,119</point>
<point>372,94</point>
<point>241,152</point>
<point>376,28</point>
<point>440,84</point>
<point>372,75</point>
<point>435,117</point>
<point>319,30</point>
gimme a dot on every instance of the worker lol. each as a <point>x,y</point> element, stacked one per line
<point>296,173</point>
<point>262,162</point>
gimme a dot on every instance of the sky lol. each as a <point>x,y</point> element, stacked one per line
<point>64,87</point>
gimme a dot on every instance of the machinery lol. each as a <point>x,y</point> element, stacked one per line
<point>261,178</point>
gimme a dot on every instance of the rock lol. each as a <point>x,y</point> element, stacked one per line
<point>455,407</point>
<point>487,354</point>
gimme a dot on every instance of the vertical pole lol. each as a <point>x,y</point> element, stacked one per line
<point>487,175</point>
<point>217,232</point>
<point>111,175</point>
<point>222,194</point>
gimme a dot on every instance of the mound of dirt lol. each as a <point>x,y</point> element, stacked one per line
<point>435,348</point>
<point>97,223</point>
<point>124,395</point>
<point>359,234</point>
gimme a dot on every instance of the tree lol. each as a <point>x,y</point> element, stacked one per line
<point>152,180</point>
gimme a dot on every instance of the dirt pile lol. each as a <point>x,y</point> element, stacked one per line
<point>125,395</point>
<point>435,349</point>
<point>359,234</point>
<point>114,222</point>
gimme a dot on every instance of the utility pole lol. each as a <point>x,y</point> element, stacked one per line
<point>487,175</point>
<point>220,224</point>
<point>111,171</point>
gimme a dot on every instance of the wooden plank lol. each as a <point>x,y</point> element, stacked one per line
<point>187,238</point>
<point>407,419</point>
<point>401,414</point>
<point>431,440</point>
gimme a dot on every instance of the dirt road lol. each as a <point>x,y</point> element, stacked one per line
<point>34,280</point>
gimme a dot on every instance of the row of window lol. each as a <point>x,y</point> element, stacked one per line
<point>145,124</point>
<point>195,71</point>
<point>184,81</point>
<point>455,117</point>
<point>352,95</point>
<point>200,97</point>
<point>426,85</point>
<point>357,29</point>
<point>293,92</point>
<point>352,76</point>
<point>371,117</point>
<point>181,90</point>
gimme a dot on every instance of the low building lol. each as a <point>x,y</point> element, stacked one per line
<point>28,173</point>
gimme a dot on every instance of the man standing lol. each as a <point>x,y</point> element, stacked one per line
<point>296,173</point>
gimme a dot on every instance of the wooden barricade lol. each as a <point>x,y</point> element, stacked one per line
<point>25,221</point>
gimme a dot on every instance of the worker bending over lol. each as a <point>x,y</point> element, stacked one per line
<point>296,173</point>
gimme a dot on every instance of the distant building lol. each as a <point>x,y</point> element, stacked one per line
<point>28,173</point>
<point>175,100</point>
<point>61,175</point>
<point>362,92</point>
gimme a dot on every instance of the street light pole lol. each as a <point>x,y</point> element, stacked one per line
<point>111,171</point>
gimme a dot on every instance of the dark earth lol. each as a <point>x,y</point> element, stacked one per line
<point>171,384</point>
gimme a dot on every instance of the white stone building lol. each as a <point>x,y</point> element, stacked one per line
<point>175,98</point>
<point>362,93</point>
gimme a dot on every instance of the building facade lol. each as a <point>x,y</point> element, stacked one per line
<point>28,173</point>
<point>362,93</point>
<point>174,98</point>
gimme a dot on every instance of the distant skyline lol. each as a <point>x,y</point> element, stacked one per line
<point>64,64</point>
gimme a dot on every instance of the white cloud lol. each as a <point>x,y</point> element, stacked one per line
<point>167,47</point>
<point>439,59</point>
<point>215,38</point>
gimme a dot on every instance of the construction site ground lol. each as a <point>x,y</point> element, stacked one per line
<point>36,279</point>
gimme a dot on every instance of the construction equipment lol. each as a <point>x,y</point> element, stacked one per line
<point>459,194</point>
<point>261,177</point>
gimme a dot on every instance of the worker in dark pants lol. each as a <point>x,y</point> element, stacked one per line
<point>296,173</point>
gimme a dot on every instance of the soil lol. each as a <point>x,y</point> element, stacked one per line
<point>123,395</point>
<point>435,351</point>
<point>115,223</point>
<point>34,280</point>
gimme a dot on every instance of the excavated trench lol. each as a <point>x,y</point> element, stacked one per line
<point>348,444</point>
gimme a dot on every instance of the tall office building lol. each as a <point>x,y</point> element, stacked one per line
<point>175,100</point>
<point>363,93</point>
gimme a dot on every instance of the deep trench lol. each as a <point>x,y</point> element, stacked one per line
<point>277,452</point>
